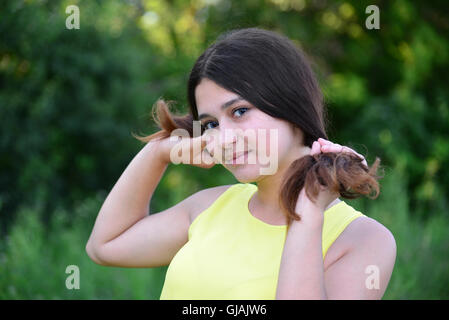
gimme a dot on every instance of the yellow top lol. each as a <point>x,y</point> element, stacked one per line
<point>233,255</point>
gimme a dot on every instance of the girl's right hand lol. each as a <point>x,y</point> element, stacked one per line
<point>186,150</point>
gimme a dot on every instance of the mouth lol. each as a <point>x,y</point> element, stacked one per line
<point>236,156</point>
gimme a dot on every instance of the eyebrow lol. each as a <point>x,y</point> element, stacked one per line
<point>223,106</point>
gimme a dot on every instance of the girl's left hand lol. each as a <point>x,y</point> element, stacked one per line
<point>325,197</point>
<point>323,145</point>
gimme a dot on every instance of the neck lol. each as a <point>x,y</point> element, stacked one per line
<point>266,198</point>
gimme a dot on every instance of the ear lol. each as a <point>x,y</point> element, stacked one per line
<point>297,133</point>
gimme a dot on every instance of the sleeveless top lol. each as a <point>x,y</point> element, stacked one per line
<point>232,255</point>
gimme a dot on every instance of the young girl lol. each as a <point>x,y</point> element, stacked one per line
<point>281,235</point>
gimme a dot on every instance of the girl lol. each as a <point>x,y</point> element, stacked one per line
<point>282,235</point>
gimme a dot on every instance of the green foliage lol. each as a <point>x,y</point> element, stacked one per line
<point>421,265</point>
<point>34,261</point>
<point>69,100</point>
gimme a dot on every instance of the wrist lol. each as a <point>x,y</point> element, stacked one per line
<point>311,214</point>
<point>158,149</point>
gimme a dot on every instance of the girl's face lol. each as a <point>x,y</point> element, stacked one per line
<point>233,126</point>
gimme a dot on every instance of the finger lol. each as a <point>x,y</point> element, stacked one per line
<point>315,148</point>
<point>324,141</point>
<point>364,162</point>
<point>345,149</point>
<point>207,158</point>
<point>332,148</point>
<point>359,155</point>
<point>196,144</point>
<point>210,148</point>
<point>203,143</point>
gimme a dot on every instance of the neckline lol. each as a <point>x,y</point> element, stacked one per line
<point>276,226</point>
<point>248,212</point>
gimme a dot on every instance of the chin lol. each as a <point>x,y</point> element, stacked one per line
<point>249,170</point>
<point>245,173</point>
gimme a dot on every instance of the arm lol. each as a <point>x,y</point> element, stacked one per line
<point>363,272</point>
<point>124,233</point>
<point>301,274</point>
<point>131,194</point>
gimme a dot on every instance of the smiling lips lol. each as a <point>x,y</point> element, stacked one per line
<point>236,156</point>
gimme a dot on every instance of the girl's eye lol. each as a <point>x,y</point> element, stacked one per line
<point>206,125</point>
<point>238,109</point>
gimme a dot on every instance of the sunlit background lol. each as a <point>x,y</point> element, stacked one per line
<point>70,99</point>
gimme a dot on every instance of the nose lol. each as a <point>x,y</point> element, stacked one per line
<point>227,138</point>
<point>224,140</point>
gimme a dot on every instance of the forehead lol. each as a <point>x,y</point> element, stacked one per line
<point>210,96</point>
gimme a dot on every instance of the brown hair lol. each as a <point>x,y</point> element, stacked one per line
<point>288,90</point>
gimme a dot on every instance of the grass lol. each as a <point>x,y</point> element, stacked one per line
<point>422,264</point>
<point>34,261</point>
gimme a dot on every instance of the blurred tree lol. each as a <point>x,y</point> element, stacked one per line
<point>68,100</point>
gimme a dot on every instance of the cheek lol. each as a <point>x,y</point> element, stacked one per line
<point>273,141</point>
<point>262,136</point>
<point>272,135</point>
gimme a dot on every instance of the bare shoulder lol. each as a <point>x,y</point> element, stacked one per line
<point>363,233</point>
<point>368,235</point>
<point>370,248</point>
<point>203,199</point>
<point>364,230</point>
